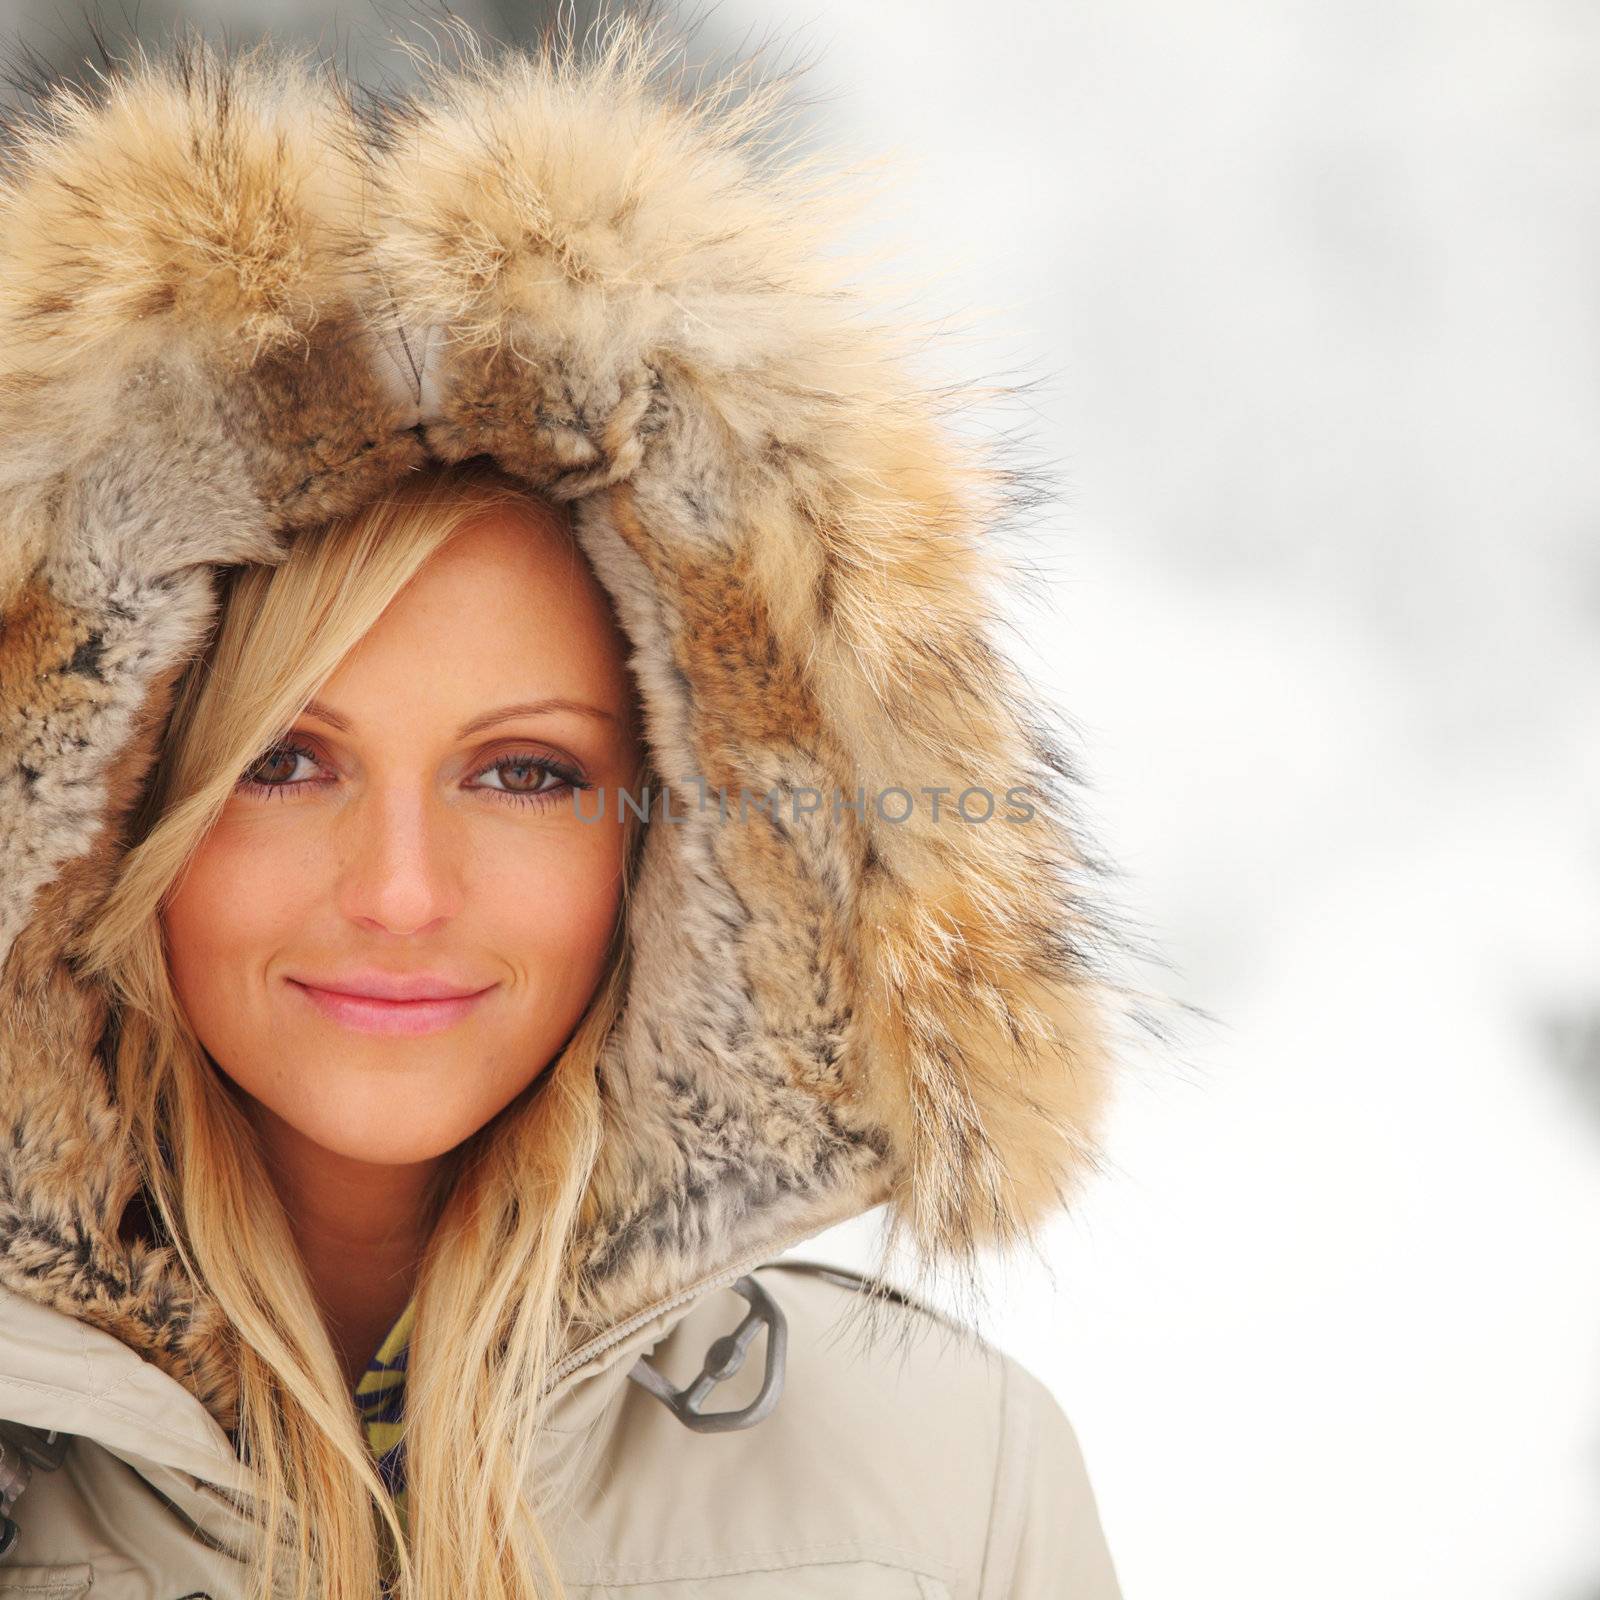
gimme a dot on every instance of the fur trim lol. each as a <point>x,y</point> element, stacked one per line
<point>232,306</point>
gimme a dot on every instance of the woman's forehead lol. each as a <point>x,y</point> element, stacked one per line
<point>508,609</point>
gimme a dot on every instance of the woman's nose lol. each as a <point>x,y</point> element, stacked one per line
<point>400,859</point>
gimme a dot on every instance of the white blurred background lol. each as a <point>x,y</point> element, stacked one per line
<point>1306,295</point>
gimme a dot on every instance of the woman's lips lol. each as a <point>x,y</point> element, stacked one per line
<point>404,1017</point>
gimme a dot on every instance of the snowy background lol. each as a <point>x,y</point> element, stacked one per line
<point>1307,294</point>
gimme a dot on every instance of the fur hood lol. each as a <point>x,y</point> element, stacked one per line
<point>237,298</point>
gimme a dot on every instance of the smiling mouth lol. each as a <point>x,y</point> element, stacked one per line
<point>403,1018</point>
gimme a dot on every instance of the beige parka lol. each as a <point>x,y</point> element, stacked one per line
<point>237,298</point>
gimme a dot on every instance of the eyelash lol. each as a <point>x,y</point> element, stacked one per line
<point>569,777</point>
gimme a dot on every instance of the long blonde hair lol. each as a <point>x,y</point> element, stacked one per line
<point>493,1275</point>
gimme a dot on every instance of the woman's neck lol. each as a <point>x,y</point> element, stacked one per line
<point>361,1228</point>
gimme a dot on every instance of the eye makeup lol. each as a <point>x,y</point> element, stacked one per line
<point>567,778</point>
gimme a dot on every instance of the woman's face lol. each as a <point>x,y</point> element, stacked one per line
<point>390,838</point>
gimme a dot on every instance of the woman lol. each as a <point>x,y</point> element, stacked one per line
<point>332,434</point>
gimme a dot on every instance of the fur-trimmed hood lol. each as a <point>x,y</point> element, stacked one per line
<point>236,300</point>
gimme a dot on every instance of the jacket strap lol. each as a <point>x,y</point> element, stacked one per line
<point>849,1278</point>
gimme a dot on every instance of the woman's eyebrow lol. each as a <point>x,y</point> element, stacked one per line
<point>523,708</point>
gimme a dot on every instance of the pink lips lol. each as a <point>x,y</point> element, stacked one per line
<point>368,1013</point>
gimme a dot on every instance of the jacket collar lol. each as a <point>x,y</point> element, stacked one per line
<point>61,1377</point>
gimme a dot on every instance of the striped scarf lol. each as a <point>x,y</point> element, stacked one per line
<point>380,1399</point>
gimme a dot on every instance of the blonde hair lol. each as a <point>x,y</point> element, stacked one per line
<point>494,1273</point>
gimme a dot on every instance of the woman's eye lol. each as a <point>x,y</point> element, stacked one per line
<point>274,769</point>
<point>536,779</point>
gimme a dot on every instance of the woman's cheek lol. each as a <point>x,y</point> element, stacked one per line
<point>246,889</point>
<point>560,904</point>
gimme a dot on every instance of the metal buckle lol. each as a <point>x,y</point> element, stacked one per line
<point>723,1359</point>
<point>22,1450</point>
